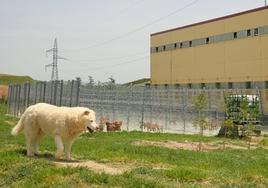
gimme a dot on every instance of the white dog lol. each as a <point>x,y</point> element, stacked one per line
<point>63,123</point>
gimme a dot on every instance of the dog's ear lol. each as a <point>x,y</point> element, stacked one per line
<point>86,112</point>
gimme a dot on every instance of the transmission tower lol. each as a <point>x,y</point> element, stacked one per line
<point>54,64</point>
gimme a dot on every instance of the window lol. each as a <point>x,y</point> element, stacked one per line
<point>190,86</point>
<point>175,45</point>
<point>230,85</point>
<point>235,35</point>
<point>164,48</point>
<point>156,49</point>
<point>218,85</point>
<point>248,85</point>
<point>177,85</point>
<point>256,32</point>
<point>266,84</point>
<point>181,45</point>
<point>203,85</point>
<point>248,32</point>
<point>207,40</point>
<point>190,43</point>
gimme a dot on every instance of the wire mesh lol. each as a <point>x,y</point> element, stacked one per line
<point>170,108</point>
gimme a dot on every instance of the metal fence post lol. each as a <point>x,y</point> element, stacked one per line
<point>61,88</point>
<point>28,93</point>
<point>143,106</point>
<point>24,96</point>
<point>17,99</point>
<point>78,83</point>
<point>71,93</point>
<point>8,99</point>
<point>55,91</point>
<point>44,91</point>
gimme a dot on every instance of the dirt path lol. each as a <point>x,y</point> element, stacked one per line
<point>96,167</point>
<point>193,146</point>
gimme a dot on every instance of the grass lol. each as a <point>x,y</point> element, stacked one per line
<point>179,168</point>
<point>10,79</point>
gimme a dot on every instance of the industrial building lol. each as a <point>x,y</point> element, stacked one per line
<point>222,53</point>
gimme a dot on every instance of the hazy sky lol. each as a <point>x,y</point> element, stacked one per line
<point>86,31</point>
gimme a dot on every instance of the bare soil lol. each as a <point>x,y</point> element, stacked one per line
<point>186,145</point>
<point>96,167</point>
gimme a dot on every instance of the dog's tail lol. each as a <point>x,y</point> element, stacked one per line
<point>19,127</point>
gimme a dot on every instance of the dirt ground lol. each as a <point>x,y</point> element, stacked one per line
<point>96,167</point>
<point>186,145</point>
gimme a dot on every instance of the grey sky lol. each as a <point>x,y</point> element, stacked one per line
<point>28,29</point>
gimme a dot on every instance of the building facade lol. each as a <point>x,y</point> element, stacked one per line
<point>226,52</point>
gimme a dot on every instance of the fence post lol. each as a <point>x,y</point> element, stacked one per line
<point>61,88</point>
<point>8,99</point>
<point>128,106</point>
<point>28,93</point>
<point>24,96</point>
<point>71,94</point>
<point>44,91</point>
<point>143,107</point>
<point>78,83</point>
<point>55,91</point>
<point>17,99</point>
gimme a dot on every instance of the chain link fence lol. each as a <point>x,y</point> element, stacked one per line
<point>170,107</point>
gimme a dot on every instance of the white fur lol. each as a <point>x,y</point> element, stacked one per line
<point>63,123</point>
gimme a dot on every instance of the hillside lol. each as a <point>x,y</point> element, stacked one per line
<point>6,79</point>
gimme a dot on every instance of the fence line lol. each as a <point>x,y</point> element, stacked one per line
<point>170,107</point>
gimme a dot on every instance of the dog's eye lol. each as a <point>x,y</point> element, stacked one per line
<point>91,121</point>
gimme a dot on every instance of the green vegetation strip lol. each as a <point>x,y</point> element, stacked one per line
<point>8,79</point>
<point>150,166</point>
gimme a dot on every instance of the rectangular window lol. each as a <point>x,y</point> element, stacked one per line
<point>181,45</point>
<point>248,85</point>
<point>190,43</point>
<point>248,32</point>
<point>164,48</point>
<point>156,49</point>
<point>256,32</point>
<point>175,45</point>
<point>266,84</point>
<point>203,85</point>
<point>218,85</point>
<point>235,35</point>
<point>230,85</point>
<point>190,86</point>
<point>207,40</point>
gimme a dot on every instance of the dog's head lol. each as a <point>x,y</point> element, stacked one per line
<point>89,120</point>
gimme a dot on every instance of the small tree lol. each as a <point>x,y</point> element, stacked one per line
<point>228,124</point>
<point>200,103</point>
<point>111,83</point>
<point>247,114</point>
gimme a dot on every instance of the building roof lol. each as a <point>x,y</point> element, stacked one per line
<point>212,20</point>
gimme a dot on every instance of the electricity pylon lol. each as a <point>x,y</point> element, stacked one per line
<point>54,64</point>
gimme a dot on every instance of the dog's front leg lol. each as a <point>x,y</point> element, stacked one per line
<point>59,145</point>
<point>68,147</point>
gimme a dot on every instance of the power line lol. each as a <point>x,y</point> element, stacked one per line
<point>119,64</point>
<point>107,58</point>
<point>130,6</point>
<point>138,29</point>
